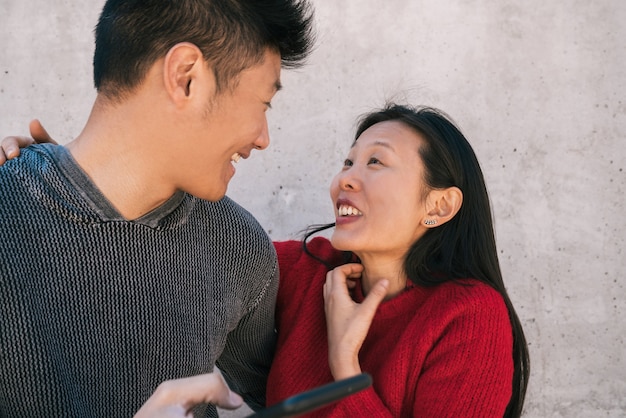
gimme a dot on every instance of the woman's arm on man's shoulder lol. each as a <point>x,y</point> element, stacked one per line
<point>10,145</point>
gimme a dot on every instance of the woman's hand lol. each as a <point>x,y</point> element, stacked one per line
<point>346,320</point>
<point>175,398</point>
<point>10,145</point>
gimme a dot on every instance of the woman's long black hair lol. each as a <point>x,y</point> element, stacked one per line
<point>464,246</point>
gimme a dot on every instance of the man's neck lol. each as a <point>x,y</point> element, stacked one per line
<point>118,151</point>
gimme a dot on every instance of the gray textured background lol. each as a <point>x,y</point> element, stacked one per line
<point>538,87</point>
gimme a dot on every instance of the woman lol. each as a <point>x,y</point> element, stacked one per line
<point>408,288</point>
<point>413,217</point>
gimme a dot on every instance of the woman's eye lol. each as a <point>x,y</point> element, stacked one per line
<point>347,163</point>
<point>374,161</point>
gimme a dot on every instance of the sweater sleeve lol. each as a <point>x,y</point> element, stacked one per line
<point>469,369</point>
<point>250,345</point>
<point>249,350</point>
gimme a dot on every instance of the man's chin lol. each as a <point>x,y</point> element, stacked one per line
<point>212,195</point>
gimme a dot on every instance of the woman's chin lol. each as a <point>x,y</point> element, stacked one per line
<point>341,242</point>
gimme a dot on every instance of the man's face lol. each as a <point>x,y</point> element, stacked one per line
<point>228,128</point>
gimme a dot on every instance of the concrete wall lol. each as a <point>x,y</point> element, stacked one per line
<point>539,87</point>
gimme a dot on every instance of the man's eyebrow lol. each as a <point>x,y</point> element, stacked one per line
<point>277,87</point>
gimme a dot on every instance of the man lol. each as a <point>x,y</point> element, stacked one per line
<point>123,265</point>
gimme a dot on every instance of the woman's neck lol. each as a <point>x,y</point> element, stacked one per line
<point>377,268</point>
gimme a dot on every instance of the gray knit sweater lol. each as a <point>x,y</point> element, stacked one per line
<point>96,311</point>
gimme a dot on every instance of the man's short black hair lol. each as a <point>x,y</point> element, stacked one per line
<point>232,34</point>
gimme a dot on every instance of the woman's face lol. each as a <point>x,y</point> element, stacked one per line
<point>379,193</point>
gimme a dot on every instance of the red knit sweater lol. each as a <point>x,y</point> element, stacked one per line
<point>444,351</point>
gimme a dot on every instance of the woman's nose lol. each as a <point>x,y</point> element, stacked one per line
<point>347,180</point>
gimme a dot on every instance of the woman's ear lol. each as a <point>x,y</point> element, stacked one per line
<point>444,205</point>
<point>183,68</point>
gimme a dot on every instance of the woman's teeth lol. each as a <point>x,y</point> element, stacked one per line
<point>345,210</point>
<point>235,158</point>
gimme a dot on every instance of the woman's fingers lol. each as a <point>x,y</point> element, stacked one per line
<point>39,133</point>
<point>347,321</point>
<point>10,147</point>
<point>338,277</point>
<point>375,296</point>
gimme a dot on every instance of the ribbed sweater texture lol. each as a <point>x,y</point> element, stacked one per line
<point>96,310</point>
<point>443,351</point>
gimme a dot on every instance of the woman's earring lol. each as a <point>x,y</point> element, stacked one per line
<point>430,222</point>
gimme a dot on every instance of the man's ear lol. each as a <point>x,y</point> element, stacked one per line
<point>183,68</point>
<point>444,205</point>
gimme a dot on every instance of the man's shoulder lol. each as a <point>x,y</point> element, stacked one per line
<point>25,175</point>
<point>28,157</point>
<point>33,163</point>
<point>230,215</point>
<point>245,251</point>
<point>233,228</point>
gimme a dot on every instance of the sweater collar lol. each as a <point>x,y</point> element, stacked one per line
<point>101,206</point>
<point>403,304</point>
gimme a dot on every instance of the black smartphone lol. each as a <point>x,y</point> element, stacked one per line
<point>315,398</point>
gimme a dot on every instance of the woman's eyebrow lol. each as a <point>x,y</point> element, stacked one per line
<point>384,144</point>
